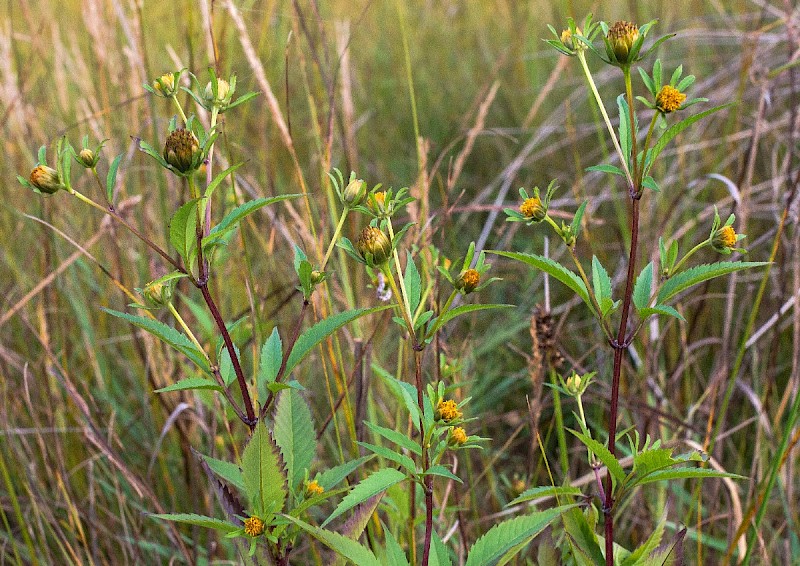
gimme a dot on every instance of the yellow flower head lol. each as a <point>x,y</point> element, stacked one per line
<point>253,526</point>
<point>373,242</point>
<point>46,179</point>
<point>534,209</point>
<point>669,99</point>
<point>468,281</point>
<point>724,239</point>
<point>313,488</point>
<point>458,436</point>
<point>447,410</point>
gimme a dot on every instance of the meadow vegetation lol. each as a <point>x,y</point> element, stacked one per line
<point>378,366</point>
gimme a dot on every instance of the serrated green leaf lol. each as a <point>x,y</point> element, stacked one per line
<point>199,520</point>
<point>344,546</point>
<point>660,309</point>
<point>544,491</point>
<point>643,287</point>
<point>190,383</point>
<point>675,129</point>
<point>582,539</point>
<point>226,365</point>
<point>264,480</point>
<point>647,547</point>
<point>228,471</point>
<point>576,220</point>
<point>613,170</point>
<point>395,437</point>
<point>668,554</point>
<point>372,485</point>
<point>294,434</point>
<point>604,455</point>
<point>681,473</point>
<point>269,362</point>
<point>700,273</point>
<point>394,555</point>
<point>331,478</point>
<point>624,127</point>
<point>218,179</point>
<point>413,284</point>
<point>111,178</point>
<point>324,328</point>
<point>439,470</point>
<point>231,219</point>
<point>552,268</point>
<point>391,455</point>
<point>464,309</point>
<point>166,334</point>
<point>600,281</point>
<point>491,549</point>
<point>439,554</point>
<point>183,230</point>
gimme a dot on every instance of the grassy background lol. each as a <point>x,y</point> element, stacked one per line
<point>87,447</point>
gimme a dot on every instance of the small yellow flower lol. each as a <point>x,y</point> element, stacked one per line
<point>534,209</point>
<point>253,526</point>
<point>566,39</point>
<point>468,281</point>
<point>354,192</point>
<point>724,239</point>
<point>313,488</point>
<point>378,202</point>
<point>669,99</point>
<point>622,36</point>
<point>458,436</point>
<point>165,84</point>
<point>447,410</point>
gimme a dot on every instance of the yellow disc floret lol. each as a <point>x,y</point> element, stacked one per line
<point>458,436</point>
<point>447,410</point>
<point>669,99</point>
<point>534,209</point>
<point>253,526</point>
<point>468,281</point>
<point>313,488</point>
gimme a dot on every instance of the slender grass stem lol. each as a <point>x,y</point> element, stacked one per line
<point>334,239</point>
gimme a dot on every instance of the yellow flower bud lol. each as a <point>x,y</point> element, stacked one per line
<point>534,209</point>
<point>253,526</point>
<point>374,246</point>
<point>46,179</point>
<point>165,85</point>
<point>669,99</point>
<point>354,193</point>
<point>447,411</point>
<point>622,36</point>
<point>724,239</point>
<point>313,488</point>
<point>182,150</point>
<point>223,88</point>
<point>157,294</point>
<point>458,436</point>
<point>468,281</point>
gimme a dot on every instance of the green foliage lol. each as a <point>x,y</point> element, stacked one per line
<point>377,482</point>
<point>344,546</point>
<point>552,268</point>
<point>263,474</point>
<point>695,275</point>
<point>198,520</point>
<point>294,434</point>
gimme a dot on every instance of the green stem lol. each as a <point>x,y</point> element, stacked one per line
<point>593,87</point>
<point>387,273</point>
<point>186,328</point>
<point>626,71</point>
<point>406,302</point>
<point>699,246</point>
<point>334,239</point>
<point>438,324</point>
<point>180,108</point>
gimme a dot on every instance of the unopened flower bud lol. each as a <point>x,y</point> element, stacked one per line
<point>182,150</point>
<point>669,99</point>
<point>165,85</point>
<point>378,202</point>
<point>622,36</point>
<point>46,179</point>
<point>354,193</point>
<point>374,246</point>
<point>447,411</point>
<point>468,281</point>
<point>157,294</point>
<point>223,88</point>
<point>87,158</point>
<point>567,40</point>
<point>573,384</point>
<point>317,277</point>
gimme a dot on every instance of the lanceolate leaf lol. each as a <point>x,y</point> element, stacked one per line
<point>322,330</point>
<point>553,268</point>
<point>375,483</point>
<point>228,471</point>
<point>348,548</point>
<point>199,520</point>
<point>235,215</point>
<point>166,334</point>
<point>545,491</point>
<point>464,309</point>
<point>182,230</point>
<point>600,281</point>
<point>604,455</point>
<point>269,362</point>
<point>413,284</point>
<point>492,548</point>
<point>675,129</point>
<point>394,436</point>
<point>394,552</point>
<point>331,478</point>
<point>700,273</point>
<point>439,553</point>
<point>294,434</point>
<point>264,480</point>
<point>681,473</point>
<point>643,287</point>
<point>392,456</point>
<point>660,309</point>
<point>191,383</point>
<point>582,538</point>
